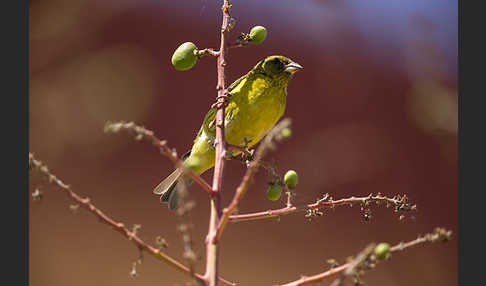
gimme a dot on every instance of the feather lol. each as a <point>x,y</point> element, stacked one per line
<point>167,185</point>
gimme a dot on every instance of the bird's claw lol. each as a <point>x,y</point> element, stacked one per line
<point>246,154</point>
<point>222,100</point>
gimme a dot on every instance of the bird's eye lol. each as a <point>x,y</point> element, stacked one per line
<point>278,63</point>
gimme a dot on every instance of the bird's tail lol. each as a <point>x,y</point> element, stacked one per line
<point>167,188</point>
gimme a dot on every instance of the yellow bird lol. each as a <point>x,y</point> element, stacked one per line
<point>256,104</point>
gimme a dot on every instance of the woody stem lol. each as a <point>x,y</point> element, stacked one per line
<point>212,246</point>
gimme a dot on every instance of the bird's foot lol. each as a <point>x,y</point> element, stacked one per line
<point>222,100</point>
<point>246,155</point>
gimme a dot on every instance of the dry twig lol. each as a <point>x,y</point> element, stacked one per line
<point>37,165</point>
<point>400,203</point>
<point>366,260</point>
<point>143,133</point>
<point>266,144</point>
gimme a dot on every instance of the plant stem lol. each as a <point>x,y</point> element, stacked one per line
<point>118,226</point>
<point>247,178</point>
<point>439,234</point>
<point>212,246</point>
<point>148,135</point>
<point>399,203</point>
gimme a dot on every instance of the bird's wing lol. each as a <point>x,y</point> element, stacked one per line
<point>208,123</point>
<point>236,82</point>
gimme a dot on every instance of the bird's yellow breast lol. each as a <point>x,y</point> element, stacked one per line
<point>255,106</point>
<point>254,109</point>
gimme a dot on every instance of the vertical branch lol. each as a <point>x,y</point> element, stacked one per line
<point>212,248</point>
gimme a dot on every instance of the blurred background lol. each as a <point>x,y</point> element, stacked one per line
<point>374,110</point>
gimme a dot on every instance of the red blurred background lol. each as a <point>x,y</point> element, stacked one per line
<point>375,110</point>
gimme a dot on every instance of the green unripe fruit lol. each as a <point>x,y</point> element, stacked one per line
<point>193,163</point>
<point>291,179</point>
<point>274,192</point>
<point>184,56</point>
<point>286,132</point>
<point>258,34</point>
<point>382,250</point>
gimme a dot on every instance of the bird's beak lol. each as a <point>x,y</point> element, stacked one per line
<point>293,67</point>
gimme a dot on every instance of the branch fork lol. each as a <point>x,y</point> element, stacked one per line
<point>131,235</point>
<point>141,133</point>
<point>207,52</point>
<point>366,259</point>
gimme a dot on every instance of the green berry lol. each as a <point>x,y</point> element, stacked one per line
<point>291,179</point>
<point>193,163</point>
<point>286,132</point>
<point>258,34</point>
<point>382,250</point>
<point>184,56</point>
<point>274,192</point>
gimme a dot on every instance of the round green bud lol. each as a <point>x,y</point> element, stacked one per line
<point>184,56</point>
<point>286,132</point>
<point>274,192</point>
<point>382,250</point>
<point>291,179</point>
<point>193,163</point>
<point>258,34</point>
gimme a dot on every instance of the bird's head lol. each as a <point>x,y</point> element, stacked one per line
<point>277,67</point>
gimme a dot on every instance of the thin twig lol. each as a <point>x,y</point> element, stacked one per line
<point>367,260</point>
<point>250,172</point>
<point>143,133</point>
<point>207,52</point>
<point>400,203</point>
<point>120,227</point>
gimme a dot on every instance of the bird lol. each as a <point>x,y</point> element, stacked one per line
<point>255,104</point>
